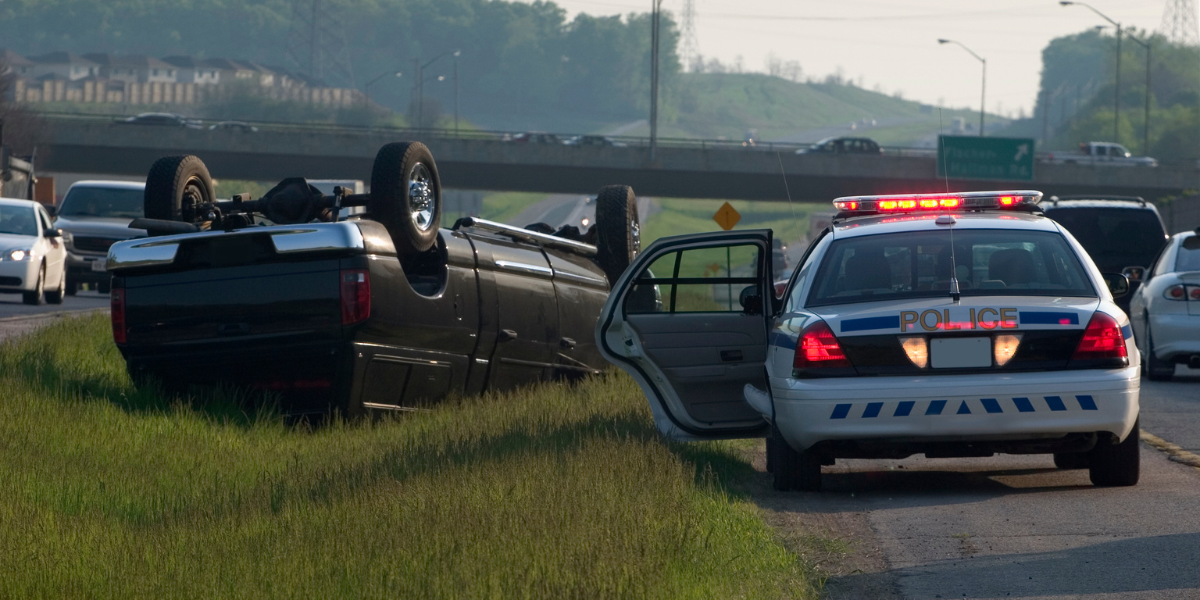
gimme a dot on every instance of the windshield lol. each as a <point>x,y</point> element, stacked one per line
<point>18,220</point>
<point>86,201</point>
<point>1114,237</point>
<point>988,262</point>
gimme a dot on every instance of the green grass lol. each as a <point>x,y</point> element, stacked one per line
<point>108,491</point>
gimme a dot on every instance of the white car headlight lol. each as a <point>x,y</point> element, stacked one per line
<point>18,254</point>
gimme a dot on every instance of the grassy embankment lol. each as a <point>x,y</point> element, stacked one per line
<point>555,491</point>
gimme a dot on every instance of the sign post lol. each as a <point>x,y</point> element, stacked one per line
<point>962,157</point>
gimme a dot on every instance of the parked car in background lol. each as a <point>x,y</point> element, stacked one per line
<point>592,140</point>
<point>843,145</point>
<point>1165,311</point>
<point>1100,153</point>
<point>534,137</point>
<point>1122,234</point>
<point>32,256</point>
<point>240,126</point>
<point>95,215</point>
<point>162,120</point>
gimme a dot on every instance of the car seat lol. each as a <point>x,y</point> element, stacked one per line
<point>1013,266</point>
<point>868,270</point>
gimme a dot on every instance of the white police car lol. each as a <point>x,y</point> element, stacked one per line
<point>949,325</point>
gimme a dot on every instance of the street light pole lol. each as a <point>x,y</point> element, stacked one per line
<point>420,83</point>
<point>455,95</point>
<point>1117,99</point>
<point>1146,119</point>
<point>983,88</point>
<point>368,86</point>
<point>655,12</point>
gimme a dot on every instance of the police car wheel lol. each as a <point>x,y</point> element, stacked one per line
<point>1115,465</point>
<point>1156,369</point>
<point>1071,460</point>
<point>794,470</point>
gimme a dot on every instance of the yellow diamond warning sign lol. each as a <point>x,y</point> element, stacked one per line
<point>727,217</point>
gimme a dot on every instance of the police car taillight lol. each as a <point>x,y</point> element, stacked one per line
<point>916,203</point>
<point>818,348</point>
<point>1101,339</point>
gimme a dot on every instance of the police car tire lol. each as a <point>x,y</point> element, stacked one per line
<point>170,178</point>
<point>390,202</point>
<point>1116,465</point>
<point>1071,460</point>
<point>794,470</point>
<point>1155,368</point>
<point>618,232</point>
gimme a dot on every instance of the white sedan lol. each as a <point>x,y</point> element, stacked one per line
<point>953,325</point>
<point>1165,310</point>
<point>32,253</point>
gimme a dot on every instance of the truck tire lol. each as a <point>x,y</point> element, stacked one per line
<point>618,232</point>
<point>175,185</point>
<point>1116,465</point>
<point>406,196</point>
<point>794,470</point>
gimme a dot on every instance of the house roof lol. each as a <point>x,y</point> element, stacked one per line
<point>13,59</point>
<point>138,61</point>
<point>62,58</point>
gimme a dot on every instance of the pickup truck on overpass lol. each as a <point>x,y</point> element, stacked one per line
<point>1101,153</point>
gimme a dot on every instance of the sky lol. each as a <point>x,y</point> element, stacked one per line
<point>893,44</point>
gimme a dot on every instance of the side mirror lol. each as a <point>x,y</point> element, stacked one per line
<point>1134,273</point>
<point>54,233</point>
<point>1117,283</point>
<point>752,302</point>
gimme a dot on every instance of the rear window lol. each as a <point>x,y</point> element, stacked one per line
<point>918,265</point>
<point>85,201</point>
<point>1114,237</point>
<point>1189,255</point>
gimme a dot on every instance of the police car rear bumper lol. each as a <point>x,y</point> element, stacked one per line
<point>955,408</point>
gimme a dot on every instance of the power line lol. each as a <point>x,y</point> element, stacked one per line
<point>1179,22</point>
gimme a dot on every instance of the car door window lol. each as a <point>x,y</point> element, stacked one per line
<point>43,220</point>
<point>700,280</point>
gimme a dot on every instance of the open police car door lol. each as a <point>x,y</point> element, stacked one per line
<point>688,320</point>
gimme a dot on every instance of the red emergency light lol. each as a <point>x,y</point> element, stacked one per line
<point>916,203</point>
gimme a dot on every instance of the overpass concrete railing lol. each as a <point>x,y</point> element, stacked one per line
<point>477,161</point>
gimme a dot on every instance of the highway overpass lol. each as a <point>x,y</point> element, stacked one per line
<point>690,171</point>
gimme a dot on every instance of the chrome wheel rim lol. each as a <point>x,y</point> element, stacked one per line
<point>421,197</point>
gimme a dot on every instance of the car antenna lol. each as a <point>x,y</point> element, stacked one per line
<point>955,295</point>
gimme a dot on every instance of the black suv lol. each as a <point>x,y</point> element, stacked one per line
<point>1118,232</point>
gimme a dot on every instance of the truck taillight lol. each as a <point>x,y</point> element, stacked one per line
<point>118,315</point>
<point>356,296</point>
<point>818,348</point>
<point>1101,339</point>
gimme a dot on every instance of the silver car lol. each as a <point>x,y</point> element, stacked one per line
<point>97,214</point>
<point>1165,310</point>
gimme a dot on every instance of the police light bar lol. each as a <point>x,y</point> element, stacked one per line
<point>915,203</point>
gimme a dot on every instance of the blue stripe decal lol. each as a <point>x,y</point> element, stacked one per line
<point>1048,318</point>
<point>870,323</point>
<point>1023,404</point>
<point>1086,402</point>
<point>935,407</point>
<point>1056,403</point>
<point>904,408</point>
<point>990,405</point>
<point>963,409</point>
<point>1127,331</point>
<point>872,410</point>
<point>840,411</point>
<point>782,340</point>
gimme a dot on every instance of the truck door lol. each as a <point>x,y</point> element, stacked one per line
<point>687,322</point>
<point>528,331</point>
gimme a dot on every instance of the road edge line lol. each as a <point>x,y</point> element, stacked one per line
<point>1173,451</point>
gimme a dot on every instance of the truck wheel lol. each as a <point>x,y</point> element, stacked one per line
<point>38,295</point>
<point>175,186</point>
<point>406,196</point>
<point>1112,465</point>
<point>1156,368</point>
<point>794,470</point>
<point>619,234</point>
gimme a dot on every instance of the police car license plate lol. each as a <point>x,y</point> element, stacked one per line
<point>960,353</point>
<point>100,264</point>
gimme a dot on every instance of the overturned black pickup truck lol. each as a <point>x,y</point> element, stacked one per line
<point>382,309</point>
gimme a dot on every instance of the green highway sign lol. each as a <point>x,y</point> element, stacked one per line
<point>972,157</point>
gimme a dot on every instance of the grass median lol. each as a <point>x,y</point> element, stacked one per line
<point>554,491</point>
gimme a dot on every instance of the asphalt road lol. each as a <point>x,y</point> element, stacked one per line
<point>17,318</point>
<point>1014,526</point>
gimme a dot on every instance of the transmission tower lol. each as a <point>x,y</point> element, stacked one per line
<point>316,45</point>
<point>1179,22</point>
<point>689,54</point>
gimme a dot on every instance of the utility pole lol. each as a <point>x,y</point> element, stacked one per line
<point>1146,118</point>
<point>983,88</point>
<point>655,14</point>
<point>1117,98</point>
<point>456,95</point>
